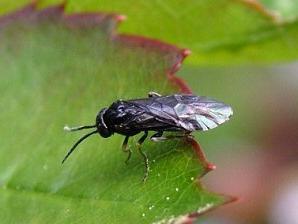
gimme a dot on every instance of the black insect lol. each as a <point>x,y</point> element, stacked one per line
<point>180,113</point>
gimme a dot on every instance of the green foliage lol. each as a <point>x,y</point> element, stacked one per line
<point>218,33</point>
<point>288,10</point>
<point>224,32</point>
<point>51,76</point>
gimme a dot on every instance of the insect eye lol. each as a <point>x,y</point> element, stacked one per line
<point>103,131</point>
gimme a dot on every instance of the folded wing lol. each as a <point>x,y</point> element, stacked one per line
<point>189,112</point>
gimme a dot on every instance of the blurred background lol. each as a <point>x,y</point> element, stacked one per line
<point>244,54</point>
<point>256,153</point>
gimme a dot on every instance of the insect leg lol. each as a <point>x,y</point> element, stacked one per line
<point>146,161</point>
<point>153,94</point>
<point>125,149</point>
<point>157,137</point>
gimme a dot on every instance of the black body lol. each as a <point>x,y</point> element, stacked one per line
<point>177,113</point>
<point>134,116</point>
<point>186,113</point>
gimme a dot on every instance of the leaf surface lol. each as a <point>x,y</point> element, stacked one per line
<point>56,70</point>
<point>223,32</point>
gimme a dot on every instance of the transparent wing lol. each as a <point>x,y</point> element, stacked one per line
<point>202,113</point>
<point>185,112</point>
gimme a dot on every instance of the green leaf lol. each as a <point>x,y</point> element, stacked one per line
<point>288,10</point>
<point>222,32</point>
<point>217,32</point>
<point>58,70</point>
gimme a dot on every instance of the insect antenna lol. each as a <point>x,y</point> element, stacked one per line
<point>66,128</point>
<point>76,144</point>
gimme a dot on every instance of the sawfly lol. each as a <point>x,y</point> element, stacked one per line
<point>181,114</point>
